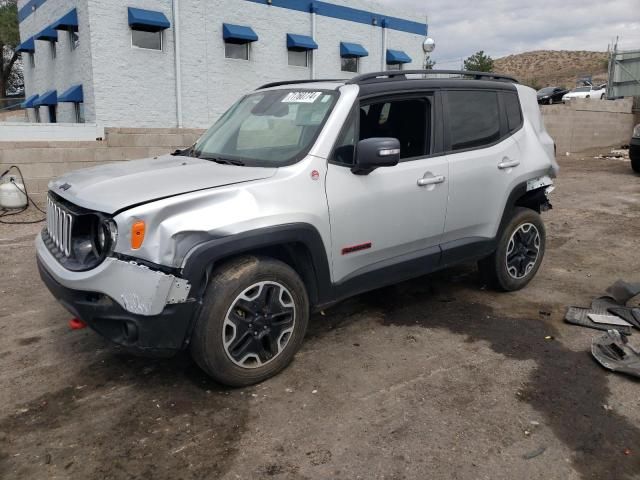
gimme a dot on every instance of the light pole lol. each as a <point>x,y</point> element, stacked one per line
<point>428,46</point>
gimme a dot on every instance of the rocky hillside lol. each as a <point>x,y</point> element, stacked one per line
<point>543,68</point>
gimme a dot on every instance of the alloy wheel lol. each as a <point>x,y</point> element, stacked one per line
<point>523,250</point>
<point>259,324</point>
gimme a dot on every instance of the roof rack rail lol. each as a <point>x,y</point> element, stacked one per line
<point>390,75</point>
<point>291,82</point>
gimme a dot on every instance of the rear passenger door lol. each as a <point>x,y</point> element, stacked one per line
<point>484,164</point>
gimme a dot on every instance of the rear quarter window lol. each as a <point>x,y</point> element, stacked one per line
<point>512,108</point>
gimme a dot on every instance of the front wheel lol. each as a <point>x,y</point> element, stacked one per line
<point>550,101</point>
<point>519,253</point>
<point>253,321</point>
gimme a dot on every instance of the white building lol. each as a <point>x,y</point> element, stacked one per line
<point>166,63</point>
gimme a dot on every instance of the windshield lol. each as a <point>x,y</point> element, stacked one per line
<point>582,89</point>
<point>546,90</point>
<point>270,128</point>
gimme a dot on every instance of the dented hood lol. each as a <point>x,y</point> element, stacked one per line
<point>116,186</point>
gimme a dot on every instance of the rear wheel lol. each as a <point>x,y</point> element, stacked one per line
<point>253,321</point>
<point>635,164</point>
<point>519,254</point>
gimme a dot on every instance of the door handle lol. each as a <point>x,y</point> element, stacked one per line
<point>506,163</point>
<point>430,180</point>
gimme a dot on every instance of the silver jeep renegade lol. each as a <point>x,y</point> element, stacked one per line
<point>300,195</point>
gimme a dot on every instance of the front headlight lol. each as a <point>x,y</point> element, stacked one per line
<point>106,236</point>
<point>636,131</point>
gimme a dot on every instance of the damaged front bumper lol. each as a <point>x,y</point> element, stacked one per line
<point>130,304</point>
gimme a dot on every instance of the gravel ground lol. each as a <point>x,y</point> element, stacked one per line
<point>433,378</point>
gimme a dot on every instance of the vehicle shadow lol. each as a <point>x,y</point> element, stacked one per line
<point>566,387</point>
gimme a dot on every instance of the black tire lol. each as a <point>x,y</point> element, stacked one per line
<point>218,324</point>
<point>635,164</point>
<point>509,276</point>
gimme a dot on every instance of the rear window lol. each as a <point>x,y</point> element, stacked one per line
<point>512,106</point>
<point>474,119</point>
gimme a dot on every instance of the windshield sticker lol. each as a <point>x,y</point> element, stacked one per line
<point>326,98</point>
<point>301,97</point>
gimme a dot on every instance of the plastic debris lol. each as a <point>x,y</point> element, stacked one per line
<point>613,352</point>
<point>535,453</point>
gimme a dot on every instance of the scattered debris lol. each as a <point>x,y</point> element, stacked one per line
<point>535,453</point>
<point>622,291</point>
<point>608,319</point>
<point>314,391</point>
<point>545,313</point>
<point>47,459</point>
<point>549,337</point>
<point>288,390</point>
<point>627,451</point>
<point>615,154</point>
<point>607,408</point>
<point>613,352</point>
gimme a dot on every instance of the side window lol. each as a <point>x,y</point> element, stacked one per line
<point>408,120</point>
<point>512,107</point>
<point>474,119</point>
<point>344,151</point>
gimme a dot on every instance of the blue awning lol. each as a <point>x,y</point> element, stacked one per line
<point>147,20</point>
<point>238,33</point>
<point>28,46</point>
<point>49,34</point>
<point>394,57</point>
<point>28,103</point>
<point>352,50</point>
<point>72,95</point>
<point>47,98</point>
<point>68,22</point>
<point>300,42</point>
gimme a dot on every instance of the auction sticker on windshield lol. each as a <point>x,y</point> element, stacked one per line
<point>301,97</point>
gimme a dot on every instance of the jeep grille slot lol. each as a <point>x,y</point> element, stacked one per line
<point>59,226</point>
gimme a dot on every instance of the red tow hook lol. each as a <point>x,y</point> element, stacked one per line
<point>76,324</point>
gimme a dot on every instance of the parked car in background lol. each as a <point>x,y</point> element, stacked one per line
<point>588,91</point>
<point>551,95</point>
<point>634,149</point>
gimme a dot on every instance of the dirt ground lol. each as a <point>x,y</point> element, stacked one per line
<point>435,378</point>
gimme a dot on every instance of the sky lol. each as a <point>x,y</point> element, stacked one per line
<point>501,27</point>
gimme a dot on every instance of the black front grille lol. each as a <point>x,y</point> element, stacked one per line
<point>71,232</point>
<point>59,226</point>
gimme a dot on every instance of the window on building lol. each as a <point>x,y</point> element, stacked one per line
<point>32,60</point>
<point>350,64</point>
<point>79,112</point>
<point>74,40</point>
<point>298,58</point>
<point>147,40</point>
<point>52,48</point>
<point>52,114</point>
<point>394,66</point>
<point>474,119</point>
<point>36,111</point>
<point>238,51</point>
<point>408,120</point>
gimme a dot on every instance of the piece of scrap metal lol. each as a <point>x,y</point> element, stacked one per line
<point>614,352</point>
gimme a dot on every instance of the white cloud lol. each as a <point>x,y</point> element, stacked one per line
<point>501,27</point>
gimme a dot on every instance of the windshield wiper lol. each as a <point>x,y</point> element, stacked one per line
<point>224,161</point>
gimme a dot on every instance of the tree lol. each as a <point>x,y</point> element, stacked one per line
<point>9,40</point>
<point>479,62</point>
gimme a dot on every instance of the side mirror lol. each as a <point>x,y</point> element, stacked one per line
<point>372,153</point>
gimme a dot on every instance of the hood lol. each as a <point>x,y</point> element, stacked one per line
<point>113,187</point>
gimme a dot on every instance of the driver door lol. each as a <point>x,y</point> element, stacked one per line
<point>386,218</point>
